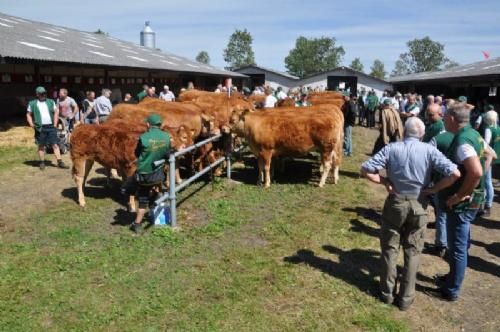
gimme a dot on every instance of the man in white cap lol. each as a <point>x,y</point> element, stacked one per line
<point>166,94</point>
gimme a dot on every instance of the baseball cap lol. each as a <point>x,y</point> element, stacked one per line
<point>40,90</point>
<point>387,101</point>
<point>154,119</point>
<point>462,99</point>
<point>490,107</point>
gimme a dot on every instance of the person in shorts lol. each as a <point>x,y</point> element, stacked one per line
<point>43,116</point>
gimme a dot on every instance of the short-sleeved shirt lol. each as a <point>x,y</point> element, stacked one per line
<point>167,96</point>
<point>103,106</point>
<point>270,101</point>
<point>44,112</point>
<point>409,165</point>
<point>66,107</point>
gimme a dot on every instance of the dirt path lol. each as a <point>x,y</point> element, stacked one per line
<point>25,189</point>
<point>478,308</point>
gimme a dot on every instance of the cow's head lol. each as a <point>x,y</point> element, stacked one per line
<point>208,125</point>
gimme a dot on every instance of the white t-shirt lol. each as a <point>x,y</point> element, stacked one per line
<point>270,101</point>
<point>465,151</point>
<point>281,95</point>
<point>44,112</point>
<point>167,96</point>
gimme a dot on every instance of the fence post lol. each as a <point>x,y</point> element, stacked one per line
<point>171,189</point>
<point>228,161</point>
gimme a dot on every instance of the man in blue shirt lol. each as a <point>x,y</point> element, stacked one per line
<point>409,165</point>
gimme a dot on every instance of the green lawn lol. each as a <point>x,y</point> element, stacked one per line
<point>12,156</point>
<point>246,259</point>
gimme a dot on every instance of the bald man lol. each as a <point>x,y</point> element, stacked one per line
<point>436,124</point>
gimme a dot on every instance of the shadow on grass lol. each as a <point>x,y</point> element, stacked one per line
<point>370,214</point>
<point>98,190</point>
<point>360,227</point>
<point>357,267</point>
<point>36,163</point>
<point>349,174</point>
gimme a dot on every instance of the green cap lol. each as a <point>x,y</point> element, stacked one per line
<point>40,90</point>
<point>490,107</point>
<point>345,94</point>
<point>462,99</point>
<point>154,120</point>
<point>387,102</point>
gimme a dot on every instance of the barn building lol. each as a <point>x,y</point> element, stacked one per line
<point>338,78</point>
<point>478,81</point>
<point>35,53</point>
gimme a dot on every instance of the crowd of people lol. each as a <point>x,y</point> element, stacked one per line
<point>433,152</point>
<point>438,153</point>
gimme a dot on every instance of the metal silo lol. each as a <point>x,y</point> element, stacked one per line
<point>148,36</point>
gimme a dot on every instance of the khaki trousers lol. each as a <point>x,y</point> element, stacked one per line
<point>403,224</point>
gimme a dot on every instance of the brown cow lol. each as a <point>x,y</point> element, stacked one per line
<point>281,132</point>
<point>112,145</point>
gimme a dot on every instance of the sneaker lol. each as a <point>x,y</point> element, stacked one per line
<point>486,213</point>
<point>61,164</point>
<point>136,228</point>
<point>42,165</point>
<point>440,279</point>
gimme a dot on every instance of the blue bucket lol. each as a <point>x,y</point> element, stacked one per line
<point>160,215</point>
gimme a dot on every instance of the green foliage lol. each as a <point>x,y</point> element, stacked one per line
<point>356,64</point>
<point>400,69</point>
<point>422,55</point>
<point>239,51</point>
<point>311,56</point>
<point>203,57</point>
<point>378,69</point>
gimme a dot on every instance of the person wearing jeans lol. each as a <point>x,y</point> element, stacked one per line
<point>463,198</point>
<point>349,109</point>
<point>491,135</point>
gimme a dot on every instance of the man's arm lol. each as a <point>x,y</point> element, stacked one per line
<point>56,115</point>
<point>378,179</point>
<point>443,183</point>
<point>473,175</point>
<point>76,109</point>
<point>29,118</point>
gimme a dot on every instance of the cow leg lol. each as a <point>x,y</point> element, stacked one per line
<point>79,177</point>
<point>261,179</point>
<point>88,168</point>
<point>326,159</point>
<point>267,168</point>
<point>131,203</point>
<point>114,174</point>
<point>178,178</point>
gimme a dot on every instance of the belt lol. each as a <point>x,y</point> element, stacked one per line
<point>103,115</point>
<point>406,197</point>
<point>48,126</point>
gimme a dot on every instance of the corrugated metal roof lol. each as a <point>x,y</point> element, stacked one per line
<point>487,67</point>
<point>242,69</point>
<point>26,39</point>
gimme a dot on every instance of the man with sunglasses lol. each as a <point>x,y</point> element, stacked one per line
<point>43,116</point>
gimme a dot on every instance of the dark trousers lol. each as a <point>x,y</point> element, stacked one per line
<point>370,118</point>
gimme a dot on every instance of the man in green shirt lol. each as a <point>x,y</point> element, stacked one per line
<point>152,146</point>
<point>371,105</point>
<point>43,116</point>
<point>436,124</point>
<point>141,95</point>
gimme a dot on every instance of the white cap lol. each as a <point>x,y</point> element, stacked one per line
<point>165,87</point>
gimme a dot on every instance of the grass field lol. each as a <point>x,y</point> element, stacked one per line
<point>293,257</point>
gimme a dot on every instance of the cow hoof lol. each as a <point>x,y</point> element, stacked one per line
<point>130,208</point>
<point>82,204</point>
<point>321,185</point>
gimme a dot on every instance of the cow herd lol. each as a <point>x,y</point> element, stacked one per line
<point>269,133</point>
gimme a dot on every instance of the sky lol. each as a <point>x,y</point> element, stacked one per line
<point>366,29</point>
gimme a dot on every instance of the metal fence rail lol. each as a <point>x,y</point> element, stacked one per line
<point>174,189</point>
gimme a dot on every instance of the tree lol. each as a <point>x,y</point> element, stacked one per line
<point>311,56</point>
<point>239,51</point>
<point>378,69</point>
<point>203,57</point>
<point>400,69</point>
<point>100,32</point>
<point>356,65</point>
<point>451,64</point>
<point>423,55</point>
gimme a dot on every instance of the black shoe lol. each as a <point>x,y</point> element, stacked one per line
<point>385,299</point>
<point>61,164</point>
<point>42,165</point>
<point>486,213</point>
<point>136,228</point>
<point>442,294</point>
<point>440,279</point>
<point>404,306</point>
